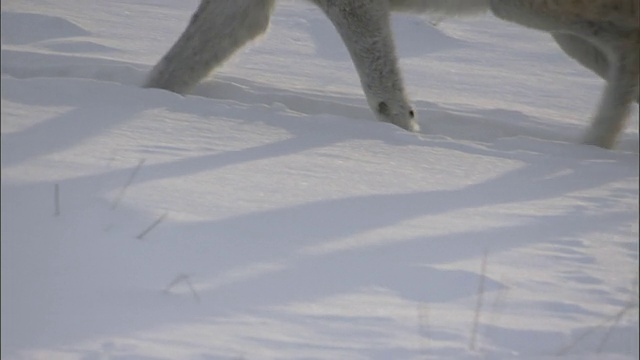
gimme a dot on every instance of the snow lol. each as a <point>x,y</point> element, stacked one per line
<point>269,216</point>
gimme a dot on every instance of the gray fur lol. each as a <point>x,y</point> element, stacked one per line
<point>441,7</point>
<point>607,47</point>
<point>219,28</point>
<point>365,29</point>
<point>583,52</point>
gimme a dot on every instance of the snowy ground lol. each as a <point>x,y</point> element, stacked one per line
<point>268,216</point>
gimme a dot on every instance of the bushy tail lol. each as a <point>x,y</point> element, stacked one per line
<point>441,7</point>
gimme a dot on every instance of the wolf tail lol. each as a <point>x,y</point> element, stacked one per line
<point>441,7</point>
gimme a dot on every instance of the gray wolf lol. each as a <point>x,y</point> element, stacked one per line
<point>602,35</point>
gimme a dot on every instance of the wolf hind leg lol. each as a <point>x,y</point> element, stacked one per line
<point>365,30</point>
<point>620,92</point>
<point>216,30</point>
<point>583,52</point>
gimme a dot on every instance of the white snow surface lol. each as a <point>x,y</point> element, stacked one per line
<point>269,216</point>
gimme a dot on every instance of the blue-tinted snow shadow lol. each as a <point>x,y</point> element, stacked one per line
<point>95,108</point>
<point>287,233</point>
<point>282,237</point>
<point>211,249</point>
<point>25,28</point>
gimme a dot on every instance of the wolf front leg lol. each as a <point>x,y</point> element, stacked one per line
<point>620,92</point>
<point>365,29</point>
<point>217,29</point>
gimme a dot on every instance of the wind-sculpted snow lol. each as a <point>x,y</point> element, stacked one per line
<point>268,216</point>
<point>24,28</point>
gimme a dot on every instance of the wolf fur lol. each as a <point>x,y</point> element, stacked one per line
<point>602,35</point>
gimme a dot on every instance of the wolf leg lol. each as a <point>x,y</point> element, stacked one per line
<point>365,29</point>
<point>620,92</point>
<point>605,46</point>
<point>587,54</point>
<point>217,29</point>
<point>583,52</point>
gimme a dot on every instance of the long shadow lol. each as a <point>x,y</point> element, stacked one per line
<point>286,238</point>
<point>263,235</point>
<point>402,267</point>
<point>89,117</point>
<point>289,237</point>
<point>336,219</point>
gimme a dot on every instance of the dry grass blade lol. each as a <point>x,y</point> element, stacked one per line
<point>476,316</point>
<point>118,198</point>
<point>152,226</point>
<point>56,200</point>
